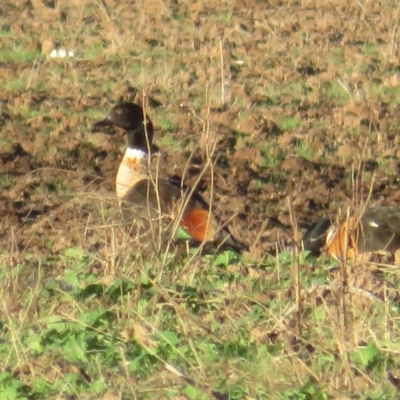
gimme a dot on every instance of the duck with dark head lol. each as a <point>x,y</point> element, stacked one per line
<point>149,198</point>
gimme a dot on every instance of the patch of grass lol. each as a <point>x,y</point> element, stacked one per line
<point>334,92</point>
<point>272,95</point>
<point>91,52</point>
<point>19,55</point>
<point>369,49</point>
<point>15,84</point>
<point>392,91</point>
<point>288,123</point>
<point>57,68</point>
<point>30,112</point>
<point>164,123</point>
<point>5,32</point>
<point>258,183</point>
<point>135,68</point>
<point>93,323</point>
<point>6,181</point>
<point>303,150</point>
<point>272,156</point>
<point>107,86</point>
<point>224,17</point>
<point>168,142</point>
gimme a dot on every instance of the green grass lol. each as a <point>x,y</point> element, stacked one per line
<point>164,122</point>
<point>369,49</point>
<point>134,68</point>
<point>12,85</point>
<point>57,69</point>
<point>18,55</point>
<point>225,17</point>
<point>5,33</point>
<point>289,123</point>
<point>272,95</point>
<point>6,181</point>
<point>93,52</point>
<point>101,323</point>
<point>272,156</point>
<point>30,113</point>
<point>303,150</point>
<point>335,93</point>
<point>85,336</point>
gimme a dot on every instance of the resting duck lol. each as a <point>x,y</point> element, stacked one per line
<point>377,229</point>
<point>314,237</point>
<point>154,198</point>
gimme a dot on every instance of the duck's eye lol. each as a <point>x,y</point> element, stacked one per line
<point>121,111</point>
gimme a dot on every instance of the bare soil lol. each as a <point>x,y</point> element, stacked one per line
<point>261,46</point>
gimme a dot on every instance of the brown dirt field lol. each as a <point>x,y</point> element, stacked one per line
<point>271,71</point>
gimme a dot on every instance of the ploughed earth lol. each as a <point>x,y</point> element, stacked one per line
<point>53,184</point>
<point>251,105</point>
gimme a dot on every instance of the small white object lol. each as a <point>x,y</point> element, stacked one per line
<point>62,53</point>
<point>331,234</point>
<point>135,153</point>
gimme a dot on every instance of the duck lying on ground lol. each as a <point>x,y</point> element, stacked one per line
<point>153,200</point>
<point>375,229</point>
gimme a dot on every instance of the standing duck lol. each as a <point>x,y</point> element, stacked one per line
<point>147,197</point>
<point>377,229</point>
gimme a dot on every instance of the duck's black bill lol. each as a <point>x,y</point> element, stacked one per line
<point>101,124</point>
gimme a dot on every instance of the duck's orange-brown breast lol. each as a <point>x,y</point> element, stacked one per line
<point>340,240</point>
<point>199,224</point>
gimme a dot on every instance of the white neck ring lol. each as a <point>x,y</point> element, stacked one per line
<point>135,153</point>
